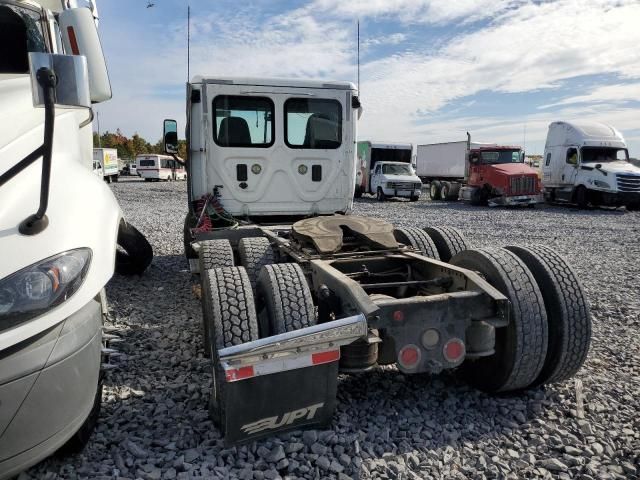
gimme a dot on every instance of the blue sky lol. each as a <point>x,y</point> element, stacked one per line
<point>430,69</point>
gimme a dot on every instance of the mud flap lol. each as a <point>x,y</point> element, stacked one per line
<point>261,406</point>
<point>283,382</point>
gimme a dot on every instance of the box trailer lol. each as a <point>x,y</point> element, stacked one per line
<point>481,173</point>
<point>108,160</point>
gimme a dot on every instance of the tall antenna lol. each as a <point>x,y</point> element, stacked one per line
<point>358,56</point>
<point>188,41</point>
<point>524,139</point>
<point>99,137</point>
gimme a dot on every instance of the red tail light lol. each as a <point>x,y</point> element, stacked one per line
<point>409,356</point>
<point>454,350</point>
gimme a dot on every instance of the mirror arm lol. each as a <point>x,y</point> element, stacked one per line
<point>37,222</point>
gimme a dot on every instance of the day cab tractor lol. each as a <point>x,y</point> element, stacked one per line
<point>480,173</point>
<point>294,289</point>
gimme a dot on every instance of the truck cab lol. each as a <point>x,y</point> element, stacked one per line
<point>498,175</point>
<point>56,261</point>
<point>385,169</point>
<point>272,148</point>
<point>588,164</point>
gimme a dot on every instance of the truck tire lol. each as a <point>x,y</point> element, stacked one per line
<point>521,346</point>
<point>215,254</point>
<point>189,223</point>
<point>582,197</point>
<point>134,254</point>
<point>445,190</point>
<point>449,241</point>
<point>434,190</point>
<point>283,292</point>
<point>357,192</point>
<point>567,309</point>
<point>380,196</point>
<point>254,254</point>
<point>479,197</point>
<point>418,239</point>
<point>229,318</point>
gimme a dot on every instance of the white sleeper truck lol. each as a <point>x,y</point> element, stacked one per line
<point>295,290</point>
<point>385,169</point>
<point>57,254</point>
<point>587,163</point>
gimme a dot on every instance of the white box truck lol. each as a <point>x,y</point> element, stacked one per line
<point>386,170</point>
<point>587,163</point>
<point>482,173</point>
<point>108,160</point>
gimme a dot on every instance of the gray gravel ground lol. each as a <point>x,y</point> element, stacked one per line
<point>154,421</point>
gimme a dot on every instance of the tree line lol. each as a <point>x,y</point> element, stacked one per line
<point>129,148</point>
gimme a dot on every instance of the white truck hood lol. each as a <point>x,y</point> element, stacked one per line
<point>615,167</point>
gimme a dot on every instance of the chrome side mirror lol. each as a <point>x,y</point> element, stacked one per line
<point>71,87</point>
<point>170,137</point>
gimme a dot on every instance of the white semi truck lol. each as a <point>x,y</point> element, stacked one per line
<point>294,289</point>
<point>587,163</point>
<point>58,252</point>
<point>385,170</point>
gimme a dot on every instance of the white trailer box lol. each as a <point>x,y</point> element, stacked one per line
<point>108,158</point>
<point>443,160</point>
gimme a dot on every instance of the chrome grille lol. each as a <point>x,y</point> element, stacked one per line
<point>628,183</point>
<point>522,185</point>
<point>403,185</point>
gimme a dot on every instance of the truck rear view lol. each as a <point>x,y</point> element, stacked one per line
<point>293,291</point>
<point>483,174</point>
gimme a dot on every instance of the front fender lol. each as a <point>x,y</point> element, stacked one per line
<point>82,212</point>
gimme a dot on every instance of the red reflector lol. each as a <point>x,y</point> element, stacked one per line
<point>73,41</point>
<point>239,373</point>
<point>325,357</point>
<point>398,315</point>
<point>409,356</point>
<point>454,350</point>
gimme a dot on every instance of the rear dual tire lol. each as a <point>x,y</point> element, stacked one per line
<point>521,346</point>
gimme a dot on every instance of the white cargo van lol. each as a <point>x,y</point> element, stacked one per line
<point>587,163</point>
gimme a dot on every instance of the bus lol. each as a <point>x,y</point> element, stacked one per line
<point>159,167</point>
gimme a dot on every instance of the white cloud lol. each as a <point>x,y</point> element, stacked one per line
<point>621,93</point>
<point>418,11</point>
<point>524,47</point>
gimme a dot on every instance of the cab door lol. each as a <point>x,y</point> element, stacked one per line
<point>376,178</point>
<point>569,170</point>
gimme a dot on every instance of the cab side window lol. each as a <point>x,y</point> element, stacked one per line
<point>377,170</point>
<point>572,156</point>
<point>20,33</point>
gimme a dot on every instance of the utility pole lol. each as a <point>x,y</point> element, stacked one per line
<point>188,42</point>
<point>358,56</point>
<point>99,137</point>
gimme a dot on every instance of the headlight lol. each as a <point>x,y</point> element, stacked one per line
<point>601,184</point>
<point>41,286</point>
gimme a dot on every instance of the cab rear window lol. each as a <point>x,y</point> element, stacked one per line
<point>313,123</point>
<point>243,121</point>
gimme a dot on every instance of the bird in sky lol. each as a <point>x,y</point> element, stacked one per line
<point>149,4</point>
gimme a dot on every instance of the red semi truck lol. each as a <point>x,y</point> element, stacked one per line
<point>481,173</point>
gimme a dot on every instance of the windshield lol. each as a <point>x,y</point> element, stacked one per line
<point>390,155</point>
<point>501,156</point>
<point>396,169</point>
<point>603,154</point>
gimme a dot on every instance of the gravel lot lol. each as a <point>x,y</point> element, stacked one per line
<point>154,421</point>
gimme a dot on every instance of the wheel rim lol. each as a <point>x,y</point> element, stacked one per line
<point>432,191</point>
<point>444,191</point>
